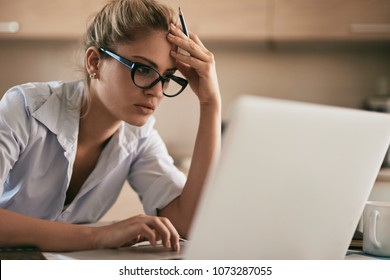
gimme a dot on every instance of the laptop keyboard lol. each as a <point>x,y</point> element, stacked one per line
<point>21,253</point>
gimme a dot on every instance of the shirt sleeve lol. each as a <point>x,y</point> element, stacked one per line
<point>14,131</point>
<point>154,176</point>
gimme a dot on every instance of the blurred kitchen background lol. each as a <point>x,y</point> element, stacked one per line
<point>334,52</point>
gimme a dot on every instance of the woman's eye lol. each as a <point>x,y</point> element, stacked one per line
<point>145,71</point>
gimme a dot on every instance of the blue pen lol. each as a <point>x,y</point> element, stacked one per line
<point>183,23</point>
<point>185,31</point>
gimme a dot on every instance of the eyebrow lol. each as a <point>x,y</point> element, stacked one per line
<point>154,64</point>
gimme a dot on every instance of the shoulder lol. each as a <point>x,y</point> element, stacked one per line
<point>33,95</point>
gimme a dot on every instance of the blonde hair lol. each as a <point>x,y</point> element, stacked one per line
<point>122,21</point>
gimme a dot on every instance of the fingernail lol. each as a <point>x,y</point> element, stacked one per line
<point>173,26</point>
<point>168,244</point>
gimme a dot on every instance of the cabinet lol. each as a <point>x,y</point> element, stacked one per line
<point>45,19</point>
<point>226,19</point>
<point>279,20</point>
<point>331,20</point>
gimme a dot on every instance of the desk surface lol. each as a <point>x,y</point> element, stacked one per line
<point>147,252</point>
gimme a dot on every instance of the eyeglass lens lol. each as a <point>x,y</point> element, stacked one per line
<point>145,77</point>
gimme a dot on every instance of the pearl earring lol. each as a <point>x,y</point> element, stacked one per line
<point>92,75</point>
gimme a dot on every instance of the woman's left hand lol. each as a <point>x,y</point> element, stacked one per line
<point>198,67</point>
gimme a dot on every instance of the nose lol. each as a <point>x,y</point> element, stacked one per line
<point>156,90</point>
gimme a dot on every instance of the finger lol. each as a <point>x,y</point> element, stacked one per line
<point>147,232</point>
<point>175,237</point>
<point>196,39</point>
<point>141,222</point>
<point>184,68</point>
<point>188,62</point>
<point>161,229</point>
<point>168,233</point>
<point>177,31</point>
<point>188,45</point>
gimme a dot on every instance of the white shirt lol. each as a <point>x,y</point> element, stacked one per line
<point>39,125</point>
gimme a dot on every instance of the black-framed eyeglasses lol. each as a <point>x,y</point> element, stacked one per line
<point>146,77</point>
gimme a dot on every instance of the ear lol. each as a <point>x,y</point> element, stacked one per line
<point>92,60</point>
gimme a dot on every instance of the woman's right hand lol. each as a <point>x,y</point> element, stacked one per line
<point>136,229</point>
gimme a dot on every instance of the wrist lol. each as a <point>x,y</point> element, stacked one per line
<point>91,234</point>
<point>211,103</point>
<point>81,237</point>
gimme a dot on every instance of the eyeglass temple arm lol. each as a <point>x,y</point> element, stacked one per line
<point>118,58</point>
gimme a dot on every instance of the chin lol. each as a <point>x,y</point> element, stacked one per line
<point>138,122</point>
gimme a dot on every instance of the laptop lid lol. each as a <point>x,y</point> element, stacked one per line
<point>291,182</point>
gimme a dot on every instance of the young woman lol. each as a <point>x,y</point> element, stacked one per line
<point>67,148</point>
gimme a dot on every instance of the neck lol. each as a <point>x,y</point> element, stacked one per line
<point>96,127</point>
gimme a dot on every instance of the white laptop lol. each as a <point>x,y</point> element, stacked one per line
<point>291,182</point>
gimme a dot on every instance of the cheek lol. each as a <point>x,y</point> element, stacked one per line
<point>115,88</point>
<point>116,81</point>
<point>114,74</point>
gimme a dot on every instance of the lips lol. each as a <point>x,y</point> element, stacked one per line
<point>146,108</point>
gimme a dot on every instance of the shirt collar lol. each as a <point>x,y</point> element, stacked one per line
<point>60,112</point>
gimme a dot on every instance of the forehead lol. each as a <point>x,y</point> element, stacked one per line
<point>154,47</point>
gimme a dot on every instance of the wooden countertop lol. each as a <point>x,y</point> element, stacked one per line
<point>384,175</point>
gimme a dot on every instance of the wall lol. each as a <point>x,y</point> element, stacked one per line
<point>26,61</point>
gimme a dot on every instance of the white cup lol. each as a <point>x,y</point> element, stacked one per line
<point>376,228</point>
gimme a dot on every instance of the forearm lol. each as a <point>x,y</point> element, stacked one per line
<point>206,152</point>
<point>17,229</point>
